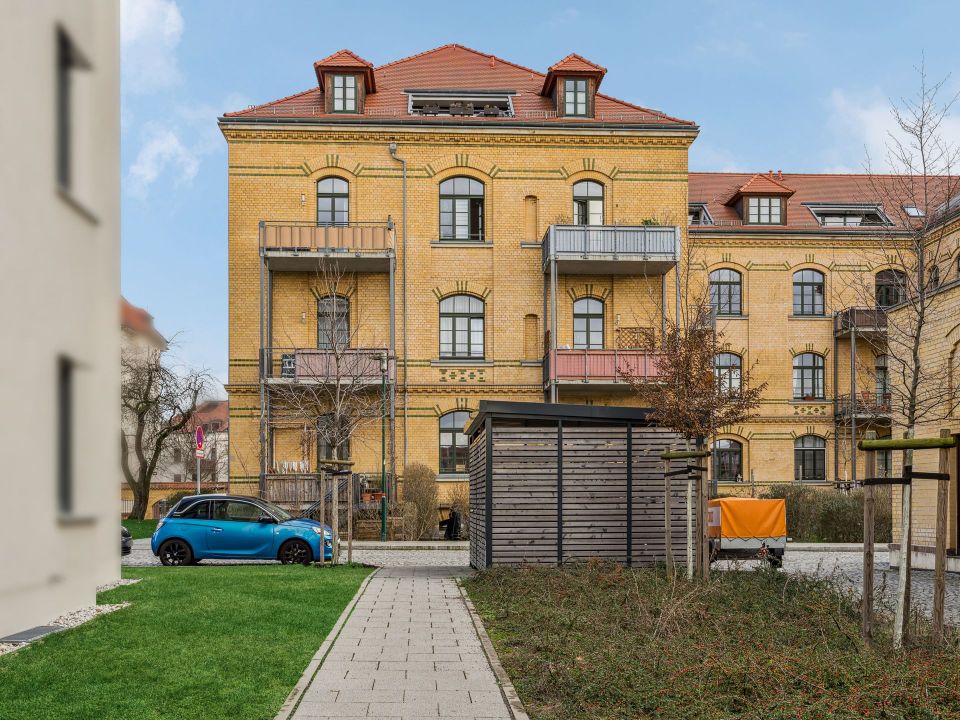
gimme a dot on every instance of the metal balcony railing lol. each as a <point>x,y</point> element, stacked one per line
<point>869,405</point>
<point>346,365</point>
<point>653,242</point>
<point>601,367</point>
<point>865,320</point>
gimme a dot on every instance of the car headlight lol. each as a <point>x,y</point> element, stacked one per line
<point>318,531</point>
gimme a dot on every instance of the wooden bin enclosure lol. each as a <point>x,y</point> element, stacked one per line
<point>552,483</point>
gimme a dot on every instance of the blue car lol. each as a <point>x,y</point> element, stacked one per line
<point>240,528</point>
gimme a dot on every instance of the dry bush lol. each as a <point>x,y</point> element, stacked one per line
<point>460,501</point>
<point>815,515</point>
<point>420,501</point>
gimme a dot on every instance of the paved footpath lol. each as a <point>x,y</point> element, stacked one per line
<point>408,650</point>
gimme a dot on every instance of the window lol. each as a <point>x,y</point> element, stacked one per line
<point>808,377</point>
<point>333,201</point>
<point>849,215</point>
<point>333,322</point>
<point>697,214</point>
<point>235,511</point>
<point>727,461</point>
<point>65,390</point>
<point>327,433</point>
<point>466,103</point>
<point>461,327</point>
<point>345,93</point>
<point>178,455</point>
<point>587,203</point>
<point>197,511</point>
<point>890,288</point>
<point>725,292</point>
<point>884,463</point>
<point>69,62</point>
<point>575,97</point>
<point>913,211</point>
<point>588,324</point>
<point>178,477</point>
<point>461,209</point>
<point>727,370</point>
<point>808,292</point>
<point>453,442</point>
<point>934,277</point>
<point>810,459</point>
<point>881,380</point>
<point>764,210</point>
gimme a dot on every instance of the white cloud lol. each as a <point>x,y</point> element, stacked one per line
<point>150,31</point>
<point>705,157</point>
<point>161,152</point>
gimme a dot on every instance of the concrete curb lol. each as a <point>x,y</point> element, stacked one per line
<point>517,711</point>
<point>408,545</point>
<point>832,547</point>
<point>293,699</point>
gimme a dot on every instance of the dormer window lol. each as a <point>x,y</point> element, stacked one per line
<point>848,215</point>
<point>344,93</point>
<point>575,97</point>
<point>697,214</point>
<point>765,210</point>
<point>466,103</point>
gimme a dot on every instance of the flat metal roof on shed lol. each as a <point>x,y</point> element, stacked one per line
<point>558,411</point>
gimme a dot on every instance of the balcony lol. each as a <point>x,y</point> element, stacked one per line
<point>299,490</point>
<point>596,368</point>
<point>865,320</point>
<point>301,246</point>
<point>611,249</point>
<point>348,366</point>
<point>871,408</point>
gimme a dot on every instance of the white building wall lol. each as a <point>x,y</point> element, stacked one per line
<point>59,259</point>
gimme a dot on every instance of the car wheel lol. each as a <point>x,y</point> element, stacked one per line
<point>175,552</point>
<point>295,552</point>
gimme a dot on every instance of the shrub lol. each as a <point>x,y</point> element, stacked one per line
<point>460,501</point>
<point>420,500</point>
<point>831,515</point>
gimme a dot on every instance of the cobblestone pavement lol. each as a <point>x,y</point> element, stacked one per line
<point>408,650</point>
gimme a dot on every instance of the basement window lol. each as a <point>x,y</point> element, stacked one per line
<point>456,103</point>
<point>849,215</point>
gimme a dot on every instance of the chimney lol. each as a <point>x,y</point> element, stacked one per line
<point>493,61</point>
<point>779,174</point>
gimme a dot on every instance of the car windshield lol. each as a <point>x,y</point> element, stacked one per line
<point>278,512</point>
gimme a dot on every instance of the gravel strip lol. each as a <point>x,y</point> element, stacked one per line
<point>75,618</point>
<point>117,583</point>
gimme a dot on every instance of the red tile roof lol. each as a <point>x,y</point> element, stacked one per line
<point>575,65</point>
<point>455,67</point>
<point>211,411</point>
<point>138,321</point>
<point>715,190</point>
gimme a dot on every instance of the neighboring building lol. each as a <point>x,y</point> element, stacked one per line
<point>179,464</point>
<point>940,349</point>
<point>59,374</point>
<point>479,161</point>
<point>543,224</point>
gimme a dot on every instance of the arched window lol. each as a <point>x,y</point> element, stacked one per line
<point>882,381</point>
<point>808,377</point>
<point>588,324</point>
<point>727,461</point>
<point>726,292</point>
<point>461,209</point>
<point>808,292</point>
<point>453,442</point>
<point>333,201</point>
<point>587,203</point>
<point>890,288</point>
<point>531,219</point>
<point>810,459</point>
<point>333,322</point>
<point>727,369</point>
<point>934,277</point>
<point>461,327</point>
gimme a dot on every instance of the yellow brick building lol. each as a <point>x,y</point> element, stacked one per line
<point>508,234</point>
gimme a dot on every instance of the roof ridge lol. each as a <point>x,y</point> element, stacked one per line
<point>797,174</point>
<point>347,51</point>
<point>468,49</point>
<point>578,56</point>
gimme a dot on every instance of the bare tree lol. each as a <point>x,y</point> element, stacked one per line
<point>333,391</point>
<point>157,401</point>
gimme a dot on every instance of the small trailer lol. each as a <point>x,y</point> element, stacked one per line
<point>746,528</point>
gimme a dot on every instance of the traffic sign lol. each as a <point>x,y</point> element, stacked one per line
<point>199,437</point>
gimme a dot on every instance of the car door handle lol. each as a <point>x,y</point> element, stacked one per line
<point>216,529</point>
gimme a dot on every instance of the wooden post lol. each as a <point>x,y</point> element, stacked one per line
<point>940,551</point>
<point>350,519</point>
<point>703,533</point>
<point>689,526</point>
<point>869,506</point>
<point>667,528</point>
<point>335,518</point>
<point>902,615</point>
<point>323,506</point>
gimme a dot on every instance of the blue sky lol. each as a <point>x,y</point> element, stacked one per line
<point>801,86</point>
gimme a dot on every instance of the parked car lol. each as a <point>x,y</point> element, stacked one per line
<point>126,541</point>
<point>238,527</point>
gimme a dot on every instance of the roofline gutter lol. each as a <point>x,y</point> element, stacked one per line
<point>407,124</point>
<point>739,231</point>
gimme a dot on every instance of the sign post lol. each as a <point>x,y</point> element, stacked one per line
<point>199,438</point>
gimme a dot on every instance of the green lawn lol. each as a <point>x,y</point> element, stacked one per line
<point>140,528</point>
<point>600,641</point>
<point>210,643</point>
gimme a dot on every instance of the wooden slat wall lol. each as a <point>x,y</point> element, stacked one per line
<point>527,512</point>
<point>478,477</point>
<point>524,494</point>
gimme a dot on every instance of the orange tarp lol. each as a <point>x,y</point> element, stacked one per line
<point>747,518</point>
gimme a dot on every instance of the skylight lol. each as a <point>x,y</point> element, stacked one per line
<point>461,103</point>
<point>852,215</point>
<point>913,211</point>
